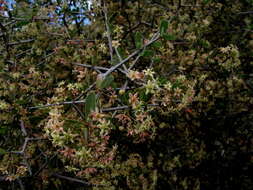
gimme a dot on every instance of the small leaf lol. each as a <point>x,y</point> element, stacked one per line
<point>138,40</point>
<point>169,37</point>
<point>206,1</point>
<point>90,103</point>
<point>147,53</point>
<point>164,26</point>
<point>2,151</point>
<point>3,130</point>
<point>105,82</point>
<point>156,60</point>
<point>157,44</point>
<point>86,134</point>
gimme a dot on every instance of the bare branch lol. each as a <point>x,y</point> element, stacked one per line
<point>87,90</point>
<point>27,139</point>
<point>92,67</point>
<point>120,59</point>
<point>115,108</point>
<point>20,184</point>
<point>58,104</point>
<point>79,111</point>
<point>108,31</point>
<point>27,164</point>
<point>20,42</point>
<point>113,68</point>
<point>72,179</point>
<point>123,108</point>
<point>44,165</point>
<point>245,12</point>
<point>23,128</point>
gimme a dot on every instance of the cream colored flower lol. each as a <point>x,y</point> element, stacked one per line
<point>149,72</point>
<point>115,43</point>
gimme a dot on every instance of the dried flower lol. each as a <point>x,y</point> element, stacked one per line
<point>135,75</point>
<point>115,43</point>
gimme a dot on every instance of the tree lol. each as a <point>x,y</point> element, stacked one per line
<point>126,94</point>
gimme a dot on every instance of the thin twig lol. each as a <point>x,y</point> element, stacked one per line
<point>23,52</point>
<point>27,139</point>
<point>87,90</point>
<point>9,23</point>
<point>79,111</point>
<point>45,57</point>
<point>23,128</point>
<point>113,68</point>
<point>22,19</point>
<point>115,108</point>
<point>71,179</point>
<point>120,59</point>
<point>58,104</point>
<point>27,164</point>
<point>20,184</point>
<point>124,107</point>
<point>20,42</point>
<point>91,67</point>
<point>108,31</point>
<point>44,165</point>
<point>134,62</point>
<point>245,12</point>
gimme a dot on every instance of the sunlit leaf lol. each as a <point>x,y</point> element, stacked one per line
<point>105,82</point>
<point>164,26</point>
<point>90,103</point>
<point>138,40</point>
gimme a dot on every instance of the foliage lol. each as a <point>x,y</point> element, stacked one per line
<point>126,94</point>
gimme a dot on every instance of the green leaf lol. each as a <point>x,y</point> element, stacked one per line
<point>90,103</point>
<point>157,44</point>
<point>73,123</point>
<point>169,37</point>
<point>156,60</point>
<point>206,1</point>
<point>138,40</point>
<point>162,80</point>
<point>147,53</point>
<point>164,26</point>
<point>86,134</point>
<point>2,151</point>
<point>3,130</point>
<point>105,82</point>
<point>121,52</point>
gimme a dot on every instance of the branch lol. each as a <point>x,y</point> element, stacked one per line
<point>123,108</point>
<point>92,67</point>
<point>22,19</point>
<point>245,12</point>
<point>79,112</point>
<point>44,165</point>
<point>27,139</point>
<point>45,57</point>
<point>108,31</point>
<point>113,68</point>
<point>87,90</point>
<point>73,179</point>
<point>115,108</point>
<point>20,42</point>
<point>23,128</point>
<point>58,104</point>
<point>120,59</point>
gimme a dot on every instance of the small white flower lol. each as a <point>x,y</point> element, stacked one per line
<point>149,72</point>
<point>168,86</point>
<point>115,43</point>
